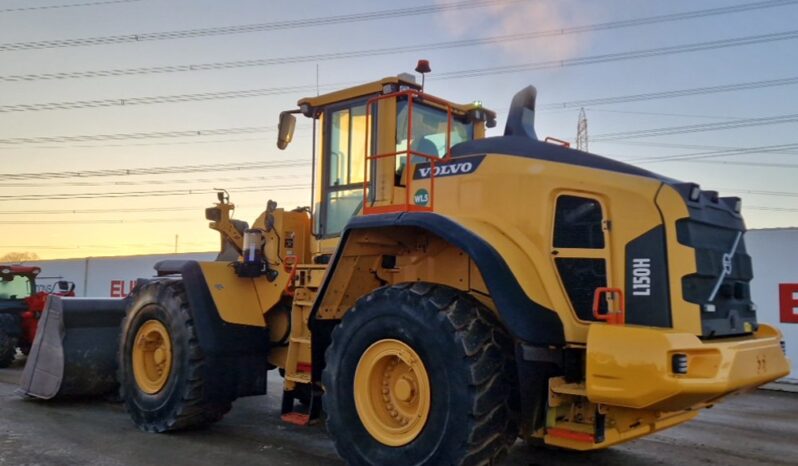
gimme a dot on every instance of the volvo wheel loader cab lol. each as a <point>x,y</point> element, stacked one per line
<point>448,292</point>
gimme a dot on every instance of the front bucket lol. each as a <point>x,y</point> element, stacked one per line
<point>74,352</point>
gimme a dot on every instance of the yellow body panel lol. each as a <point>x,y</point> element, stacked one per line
<point>681,262</point>
<point>631,366</point>
<point>242,300</point>
<point>490,203</point>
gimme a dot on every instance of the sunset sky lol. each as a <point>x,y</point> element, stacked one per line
<point>84,128</point>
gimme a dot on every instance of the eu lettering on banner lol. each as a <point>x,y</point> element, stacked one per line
<point>788,303</point>
<point>120,288</point>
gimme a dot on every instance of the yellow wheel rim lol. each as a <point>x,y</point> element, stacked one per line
<point>152,357</point>
<point>392,392</point>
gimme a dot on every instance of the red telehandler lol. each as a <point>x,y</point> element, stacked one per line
<point>20,308</point>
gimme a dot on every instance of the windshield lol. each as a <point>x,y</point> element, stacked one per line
<point>429,129</point>
<point>14,287</point>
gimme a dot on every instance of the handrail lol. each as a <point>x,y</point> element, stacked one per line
<point>412,95</point>
<point>617,317</point>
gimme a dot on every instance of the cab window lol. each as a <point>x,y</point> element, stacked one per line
<point>578,223</point>
<point>428,133</point>
<point>580,251</point>
<point>15,287</point>
<point>345,161</point>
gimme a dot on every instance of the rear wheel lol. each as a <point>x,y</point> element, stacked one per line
<point>420,374</point>
<point>161,364</point>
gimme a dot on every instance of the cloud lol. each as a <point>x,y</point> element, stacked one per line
<point>525,17</point>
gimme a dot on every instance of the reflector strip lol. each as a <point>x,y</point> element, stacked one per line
<point>571,435</point>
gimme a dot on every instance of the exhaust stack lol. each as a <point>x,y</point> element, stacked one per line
<point>521,119</point>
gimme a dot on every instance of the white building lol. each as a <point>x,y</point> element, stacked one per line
<point>774,288</point>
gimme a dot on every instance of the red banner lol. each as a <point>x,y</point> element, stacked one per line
<point>120,288</point>
<point>788,303</point>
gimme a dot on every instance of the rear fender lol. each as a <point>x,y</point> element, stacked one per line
<point>526,320</point>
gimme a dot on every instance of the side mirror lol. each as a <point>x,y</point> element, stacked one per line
<point>65,286</point>
<point>285,130</point>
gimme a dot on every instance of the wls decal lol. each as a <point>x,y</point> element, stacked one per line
<point>458,166</point>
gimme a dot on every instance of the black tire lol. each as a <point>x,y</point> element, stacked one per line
<point>8,349</point>
<point>468,357</point>
<point>181,403</point>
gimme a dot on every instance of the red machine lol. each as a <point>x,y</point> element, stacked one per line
<point>20,308</point>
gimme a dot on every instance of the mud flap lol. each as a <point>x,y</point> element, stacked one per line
<point>75,349</point>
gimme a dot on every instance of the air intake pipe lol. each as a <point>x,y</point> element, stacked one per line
<point>521,119</point>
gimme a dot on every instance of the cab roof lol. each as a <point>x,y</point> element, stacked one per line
<point>376,87</point>
<point>19,270</point>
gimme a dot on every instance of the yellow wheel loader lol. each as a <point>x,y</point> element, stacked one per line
<point>448,293</point>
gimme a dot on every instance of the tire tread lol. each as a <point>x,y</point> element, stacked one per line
<point>193,410</point>
<point>488,353</point>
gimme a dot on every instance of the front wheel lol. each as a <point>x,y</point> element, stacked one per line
<point>161,364</point>
<point>420,374</point>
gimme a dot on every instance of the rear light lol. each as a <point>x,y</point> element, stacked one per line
<point>679,364</point>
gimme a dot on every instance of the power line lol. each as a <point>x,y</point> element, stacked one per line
<point>159,144</point>
<point>118,210</point>
<point>250,93</point>
<point>436,46</point>
<point>127,136</point>
<point>747,122</point>
<point>472,73</point>
<point>262,27</point>
<point>162,170</point>
<point>154,193</point>
<point>99,221</point>
<point>702,147</point>
<point>774,209</point>
<point>218,180</point>
<point>744,163</point>
<point>762,192</point>
<point>677,115</point>
<point>719,153</point>
<point>261,129</point>
<point>673,93</point>
<point>68,5</point>
<point>631,55</point>
<point>164,99</point>
<point>99,246</point>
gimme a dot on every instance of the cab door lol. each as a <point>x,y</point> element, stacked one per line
<point>343,162</point>
<point>581,250</point>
